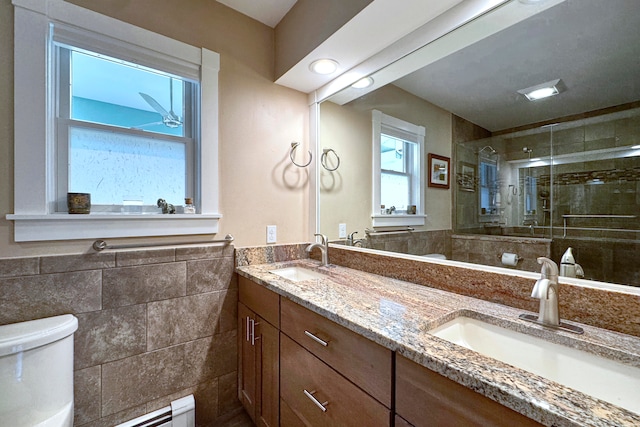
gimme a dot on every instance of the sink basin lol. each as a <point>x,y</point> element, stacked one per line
<point>599,377</point>
<point>297,274</point>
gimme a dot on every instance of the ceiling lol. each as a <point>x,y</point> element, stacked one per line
<point>269,12</point>
<point>592,45</point>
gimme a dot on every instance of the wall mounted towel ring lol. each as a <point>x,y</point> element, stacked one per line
<point>323,159</point>
<point>294,145</point>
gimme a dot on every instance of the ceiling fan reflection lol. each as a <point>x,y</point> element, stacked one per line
<point>169,118</point>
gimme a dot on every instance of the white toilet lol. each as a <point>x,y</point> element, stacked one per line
<point>36,372</point>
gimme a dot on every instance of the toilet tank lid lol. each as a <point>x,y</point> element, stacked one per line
<point>23,336</point>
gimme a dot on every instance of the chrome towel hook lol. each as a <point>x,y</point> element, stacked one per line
<point>323,159</point>
<point>294,145</point>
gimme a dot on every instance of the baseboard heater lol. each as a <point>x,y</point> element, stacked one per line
<point>181,413</point>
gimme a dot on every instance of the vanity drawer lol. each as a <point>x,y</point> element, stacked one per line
<point>426,398</point>
<point>262,301</point>
<point>362,361</point>
<point>338,402</point>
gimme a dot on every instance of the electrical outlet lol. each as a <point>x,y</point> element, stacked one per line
<point>342,231</point>
<point>271,233</point>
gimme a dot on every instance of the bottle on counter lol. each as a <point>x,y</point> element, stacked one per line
<point>189,208</point>
<point>568,264</point>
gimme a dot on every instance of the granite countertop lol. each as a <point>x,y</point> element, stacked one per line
<point>398,315</point>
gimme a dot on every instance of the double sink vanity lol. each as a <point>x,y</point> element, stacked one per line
<point>331,345</point>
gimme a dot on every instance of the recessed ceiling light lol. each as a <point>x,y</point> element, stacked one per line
<point>324,66</point>
<point>543,90</point>
<point>363,83</point>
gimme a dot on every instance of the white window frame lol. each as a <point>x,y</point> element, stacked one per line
<point>409,132</point>
<point>35,217</point>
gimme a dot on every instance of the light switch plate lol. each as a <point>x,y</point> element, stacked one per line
<point>342,231</point>
<point>271,233</point>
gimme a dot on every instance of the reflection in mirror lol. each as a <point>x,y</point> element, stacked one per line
<point>528,177</point>
<point>574,184</point>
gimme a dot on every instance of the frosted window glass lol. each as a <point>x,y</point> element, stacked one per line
<point>112,166</point>
<point>394,190</point>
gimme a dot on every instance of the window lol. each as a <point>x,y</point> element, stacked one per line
<point>120,120</point>
<point>398,171</point>
<point>116,121</point>
<point>488,185</point>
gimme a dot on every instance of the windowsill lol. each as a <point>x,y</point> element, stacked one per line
<point>31,228</point>
<point>397,220</point>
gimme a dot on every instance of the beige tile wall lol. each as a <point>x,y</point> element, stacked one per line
<point>413,243</point>
<point>488,250</point>
<point>154,325</point>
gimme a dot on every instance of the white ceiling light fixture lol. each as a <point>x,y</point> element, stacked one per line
<point>363,83</point>
<point>543,90</point>
<point>324,66</point>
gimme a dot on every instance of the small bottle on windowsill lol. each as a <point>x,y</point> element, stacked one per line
<point>188,206</point>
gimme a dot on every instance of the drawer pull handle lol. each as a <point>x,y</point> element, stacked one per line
<point>322,406</point>
<point>316,339</point>
<point>252,333</point>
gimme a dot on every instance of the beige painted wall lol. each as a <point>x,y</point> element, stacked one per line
<point>346,194</point>
<point>258,121</point>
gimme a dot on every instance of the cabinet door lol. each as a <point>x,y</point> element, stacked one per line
<point>319,396</point>
<point>247,367</point>
<point>267,345</point>
<point>428,399</point>
<point>260,300</point>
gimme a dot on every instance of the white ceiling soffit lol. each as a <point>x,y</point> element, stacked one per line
<point>431,41</point>
<point>377,26</point>
<point>269,12</point>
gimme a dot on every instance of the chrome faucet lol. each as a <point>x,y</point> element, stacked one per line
<point>350,238</point>
<point>546,290</point>
<point>323,246</point>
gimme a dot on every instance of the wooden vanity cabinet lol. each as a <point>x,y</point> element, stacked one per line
<point>426,398</point>
<point>362,361</point>
<point>331,376</point>
<point>319,396</point>
<point>258,352</point>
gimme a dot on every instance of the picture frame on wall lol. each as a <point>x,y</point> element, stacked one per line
<point>467,177</point>
<point>439,171</point>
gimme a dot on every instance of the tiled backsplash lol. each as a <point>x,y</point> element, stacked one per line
<point>154,325</point>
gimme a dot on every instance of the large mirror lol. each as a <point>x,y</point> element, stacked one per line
<point>525,178</point>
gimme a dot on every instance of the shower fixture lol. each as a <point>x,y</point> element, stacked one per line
<point>528,151</point>
<point>488,147</point>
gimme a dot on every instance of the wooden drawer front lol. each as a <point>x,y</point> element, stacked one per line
<point>262,301</point>
<point>401,422</point>
<point>362,361</point>
<point>426,398</point>
<point>344,403</point>
<point>288,418</point>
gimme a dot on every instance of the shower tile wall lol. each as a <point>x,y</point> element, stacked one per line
<point>610,187</point>
<point>154,325</point>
